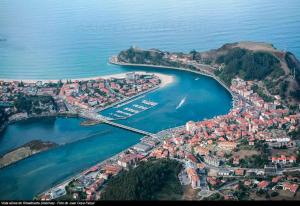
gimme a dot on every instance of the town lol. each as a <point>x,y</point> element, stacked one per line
<point>248,154</point>
<point>21,100</point>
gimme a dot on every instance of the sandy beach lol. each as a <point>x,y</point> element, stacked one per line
<point>165,79</point>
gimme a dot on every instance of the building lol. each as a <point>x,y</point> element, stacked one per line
<point>223,172</point>
<point>193,177</point>
<point>142,147</point>
<point>226,145</point>
<point>191,127</point>
<point>128,160</point>
<point>201,151</point>
<point>270,170</point>
<point>283,159</point>
<point>212,160</point>
<point>239,172</point>
<point>57,192</point>
<point>263,184</point>
<point>291,187</point>
<point>130,76</point>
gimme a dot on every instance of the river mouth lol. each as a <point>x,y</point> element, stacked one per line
<point>204,98</point>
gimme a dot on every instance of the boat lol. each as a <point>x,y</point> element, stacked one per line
<point>181,103</point>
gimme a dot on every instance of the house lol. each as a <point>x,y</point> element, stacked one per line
<point>212,181</point>
<point>224,172</point>
<point>227,145</point>
<point>283,159</point>
<point>193,177</point>
<point>291,187</point>
<point>239,172</point>
<point>247,182</point>
<point>191,158</point>
<point>112,169</point>
<point>191,127</point>
<point>201,151</point>
<point>276,179</point>
<point>236,161</point>
<point>263,184</point>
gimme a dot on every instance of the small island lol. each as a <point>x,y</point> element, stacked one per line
<point>25,151</point>
<point>86,97</point>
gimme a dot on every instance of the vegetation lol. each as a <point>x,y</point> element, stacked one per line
<point>153,57</point>
<point>248,65</point>
<point>234,61</point>
<point>3,116</point>
<point>242,193</point>
<point>33,104</point>
<point>255,161</point>
<point>214,197</point>
<point>295,134</point>
<point>260,92</point>
<point>148,181</point>
<point>293,65</point>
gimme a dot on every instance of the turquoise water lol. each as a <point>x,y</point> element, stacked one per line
<point>56,39</point>
<point>83,146</point>
<point>63,39</point>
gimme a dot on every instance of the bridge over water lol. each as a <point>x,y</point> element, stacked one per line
<point>98,117</point>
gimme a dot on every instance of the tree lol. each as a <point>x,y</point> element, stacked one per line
<point>145,181</point>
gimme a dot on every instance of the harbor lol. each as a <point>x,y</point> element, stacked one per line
<point>129,111</point>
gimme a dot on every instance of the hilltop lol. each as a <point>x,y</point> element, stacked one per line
<point>273,71</point>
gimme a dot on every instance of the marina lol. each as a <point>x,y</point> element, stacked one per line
<point>129,111</point>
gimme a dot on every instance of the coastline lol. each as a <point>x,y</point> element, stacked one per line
<point>166,79</point>
<point>65,182</point>
<point>15,152</point>
<point>112,61</point>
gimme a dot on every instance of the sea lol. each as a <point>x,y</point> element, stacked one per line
<point>53,39</point>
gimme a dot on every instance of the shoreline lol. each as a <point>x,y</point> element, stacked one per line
<point>67,180</point>
<point>165,79</point>
<point>33,152</point>
<point>118,63</point>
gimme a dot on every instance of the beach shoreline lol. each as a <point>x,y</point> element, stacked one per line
<point>165,79</point>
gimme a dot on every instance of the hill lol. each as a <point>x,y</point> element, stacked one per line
<point>275,72</point>
<point>152,180</point>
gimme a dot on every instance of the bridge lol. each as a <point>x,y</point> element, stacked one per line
<point>98,117</point>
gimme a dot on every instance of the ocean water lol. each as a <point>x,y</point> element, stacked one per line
<point>74,38</point>
<point>54,39</point>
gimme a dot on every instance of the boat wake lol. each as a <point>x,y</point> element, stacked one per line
<point>181,103</point>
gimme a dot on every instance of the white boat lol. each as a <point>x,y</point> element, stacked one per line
<point>181,103</point>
